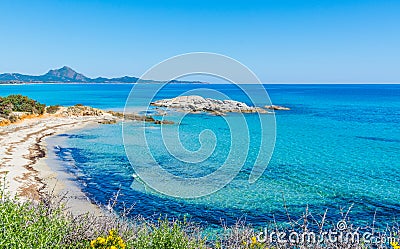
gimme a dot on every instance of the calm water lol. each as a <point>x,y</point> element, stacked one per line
<point>339,145</point>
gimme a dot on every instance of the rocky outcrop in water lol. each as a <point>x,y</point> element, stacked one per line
<point>198,104</point>
<point>277,108</point>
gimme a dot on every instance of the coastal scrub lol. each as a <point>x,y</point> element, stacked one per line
<point>14,107</point>
<point>48,224</point>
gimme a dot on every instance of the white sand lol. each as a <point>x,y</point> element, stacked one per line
<point>25,158</point>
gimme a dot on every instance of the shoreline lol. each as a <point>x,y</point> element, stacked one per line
<point>58,181</point>
<point>28,164</point>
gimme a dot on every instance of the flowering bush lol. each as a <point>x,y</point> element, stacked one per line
<point>112,241</point>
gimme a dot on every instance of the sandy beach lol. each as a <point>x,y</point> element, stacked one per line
<point>25,159</point>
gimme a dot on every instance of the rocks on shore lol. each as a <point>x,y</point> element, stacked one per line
<point>277,108</point>
<point>198,104</point>
<point>108,121</point>
<point>110,117</point>
<point>86,111</point>
<point>79,111</point>
<point>76,111</point>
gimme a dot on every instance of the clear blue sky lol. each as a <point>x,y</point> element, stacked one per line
<point>280,40</point>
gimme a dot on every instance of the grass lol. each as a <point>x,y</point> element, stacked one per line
<point>24,225</point>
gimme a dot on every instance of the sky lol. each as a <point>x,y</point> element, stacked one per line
<point>281,41</point>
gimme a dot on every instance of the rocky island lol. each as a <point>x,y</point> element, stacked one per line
<point>198,104</point>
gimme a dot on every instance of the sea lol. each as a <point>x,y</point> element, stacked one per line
<point>338,147</point>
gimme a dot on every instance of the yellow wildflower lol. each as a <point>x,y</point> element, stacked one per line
<point>101,240</point>
<point>121,243</point>
<point>112,241</point>
<point>395,245</point>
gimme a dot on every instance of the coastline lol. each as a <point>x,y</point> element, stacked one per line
<point>29,167</point>
<point>58,181</point>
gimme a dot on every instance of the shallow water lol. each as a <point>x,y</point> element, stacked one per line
<point>338,146</point>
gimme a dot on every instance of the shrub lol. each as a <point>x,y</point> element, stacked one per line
<point>13,118</point>
<point>168,234</point>
<point>19,103</point>
<point>6,107</point>
<point>47,224</point>
<point>113,240</point>
<point>52,109</point>
<point>28,225</point>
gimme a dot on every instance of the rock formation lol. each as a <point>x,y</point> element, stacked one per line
<point>197,104</point>
<point>277,108</point>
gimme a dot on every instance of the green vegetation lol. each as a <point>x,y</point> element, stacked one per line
<point>19,103</point>
<point>165,234</point>
<point>48,225</point>
<point>52,109</point>
<point>24,225</point>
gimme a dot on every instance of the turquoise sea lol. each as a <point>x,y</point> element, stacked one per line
<point>338,146</point>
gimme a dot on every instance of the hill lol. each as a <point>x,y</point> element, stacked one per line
<point>68,75</point>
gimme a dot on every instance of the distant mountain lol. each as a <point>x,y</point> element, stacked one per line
<point>64,74</point>
<point>68,75</point>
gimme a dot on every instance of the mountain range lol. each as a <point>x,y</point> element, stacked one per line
<point>68,75</point>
